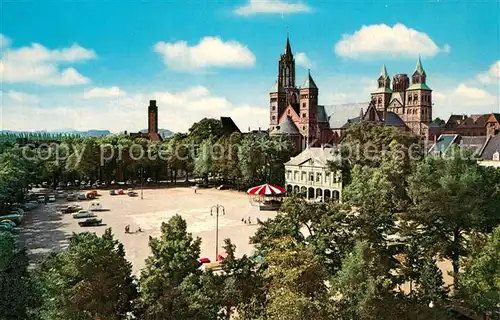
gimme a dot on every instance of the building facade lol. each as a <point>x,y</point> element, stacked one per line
<point>474,125</point>
<point>296,112</point>
<point>308,175</point>
<point>412,102</point>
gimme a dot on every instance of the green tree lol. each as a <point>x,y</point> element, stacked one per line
<point>296,283</point>
<point>16,292</point>
<point>480,283</point>
<point>91,280</point>
<point>453,199</point>
<point>174,260</point>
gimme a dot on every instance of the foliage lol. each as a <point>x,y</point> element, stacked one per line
<point>16,292</point>
<point>91,280</point>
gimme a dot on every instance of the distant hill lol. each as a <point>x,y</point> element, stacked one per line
<point>164,133</point>
<point>88,133</point>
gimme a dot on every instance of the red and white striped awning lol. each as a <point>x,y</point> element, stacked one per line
<point>266,190</point>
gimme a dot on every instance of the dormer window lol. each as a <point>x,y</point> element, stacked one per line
<point>496,156</point>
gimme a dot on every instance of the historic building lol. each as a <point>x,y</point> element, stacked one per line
<point>474,125</point>
<point>308,174</point>
<point>152,133</point>
<point>410,102</point>
<point>295,111</point>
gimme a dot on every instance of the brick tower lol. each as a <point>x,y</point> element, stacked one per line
<point>419,102</point>
<point>152,117</point>
<point>308,110</point>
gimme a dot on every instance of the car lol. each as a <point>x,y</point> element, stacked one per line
<point>69,184</point>
<point>8,222</point>
<point>82,196</point>
<point>71,197</point>
<point>132,194</point>
<point>121,192</point>
<point>6,227</point>
<point>149,180</point>
<point>113,193</point>
<point>84,214</point>
<point>52,198</point>
<point>71,209</point>
<point>41,199</point>
<point>90,222</point>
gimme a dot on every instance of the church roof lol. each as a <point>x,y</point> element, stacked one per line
<point>392,119</point>
<point>321,114</point>
<point>383,72</point>
<point>338,115</point>
<point>276,87</point>
<point>288,127</point>
<point>288,48</point>
<point>309,82</point>
<point>418,86</point>
<point>419,67</point>
<point>398,96</point>
<point>382,90</point>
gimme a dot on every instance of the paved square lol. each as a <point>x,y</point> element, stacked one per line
<point>45,230</point>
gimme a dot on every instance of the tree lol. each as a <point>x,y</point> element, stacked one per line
<point>174,259</point>
<point>438,121</point>
<point>480,283</point>
<point>453,198</point>
<point>91,280</point>
<point>16,293</point>
<point>296,283</point>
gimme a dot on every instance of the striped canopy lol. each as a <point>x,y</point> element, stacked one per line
<point>266,190</point>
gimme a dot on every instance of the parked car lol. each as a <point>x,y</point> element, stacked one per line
<point>83,214</point>
<point>6,227</point>
<point>41,199</point>
<point>132,194</point>
<point>8,222</point>
<point>71,209</point>
<point>90,222</point>
<point>52,198</point>
<point>82,196</point>
<point>121,192</point>
<point>113,193</point>
<point>71,197</point>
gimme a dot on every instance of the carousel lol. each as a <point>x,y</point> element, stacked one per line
<point>266,196</point>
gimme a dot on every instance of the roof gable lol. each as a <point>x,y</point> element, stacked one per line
<point>289,112</point>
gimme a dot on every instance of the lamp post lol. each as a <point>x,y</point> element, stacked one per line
<point>142,197</point>
<point>217,209</point>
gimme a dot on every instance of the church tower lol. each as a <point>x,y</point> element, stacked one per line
<point>308,110</point>
<point>286,75</point>
<point>382,94</point>
<point>277,104</point>
<point>418,101</point>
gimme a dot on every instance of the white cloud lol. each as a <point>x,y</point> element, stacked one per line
<point>303,60</point>
<point>209,52</point>
<point>4,42</point>
<point>103,92</point>
<point>491,76</point>
<point>381,39</point>
<point>21,97</point>
<point>39,65</point>
<point>473,95</point>
<point>177,112</point>
<point>254,7</point>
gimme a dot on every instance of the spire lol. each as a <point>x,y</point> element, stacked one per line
<point>383,72</point>
<point>309,82</point>
<point>288,48</point>
<point>419,67</point>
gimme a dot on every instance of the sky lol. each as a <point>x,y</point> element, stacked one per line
<point>96,64</point>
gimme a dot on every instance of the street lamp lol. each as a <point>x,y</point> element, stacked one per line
<point>216,209</point>
<point>142,197</point>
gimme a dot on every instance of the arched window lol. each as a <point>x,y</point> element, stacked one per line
<point>379,100</point>
<point>409,98</point>
<point>415,97</point>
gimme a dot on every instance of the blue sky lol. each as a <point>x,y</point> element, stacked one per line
<point>95,64</point>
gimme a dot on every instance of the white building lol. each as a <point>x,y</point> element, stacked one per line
<point>308,174</point>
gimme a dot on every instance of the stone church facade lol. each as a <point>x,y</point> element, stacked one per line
<point>295,112</point>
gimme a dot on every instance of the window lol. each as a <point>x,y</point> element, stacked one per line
<point>303,176</point>
<point>273,117</point>
<point>303,127</point>
<point>496,156</point>
<point>334,179</point>
<point>288,112</point>
<point>295,175</point>
<point>415,97</point>
<point>273,108</point>
<point>327,177</point>
<point>318,177</point>
<point>288,174</point>
<point>303,115</point>
<point>303,105</point>
<point>311,177</point>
